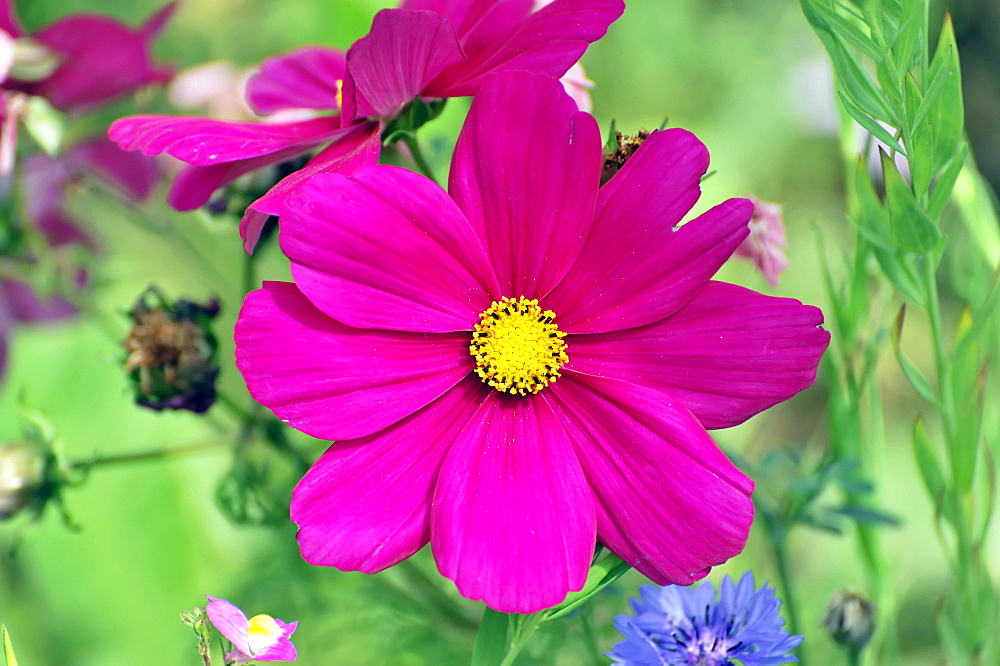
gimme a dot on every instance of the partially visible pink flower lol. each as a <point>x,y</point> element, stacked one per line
<point>215,88</point>
<point>578,86</point>
<point>525,364</point>
<point>444,48</point>
<point>101,58</point>
<point>219,152</point>
<point>765,246</point>
<point>261,638</point>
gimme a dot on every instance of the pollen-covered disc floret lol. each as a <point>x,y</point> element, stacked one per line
<point>518,350</point>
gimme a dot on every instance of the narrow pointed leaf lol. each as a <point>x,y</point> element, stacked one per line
<point>870,124</point>
<point>911,227</point>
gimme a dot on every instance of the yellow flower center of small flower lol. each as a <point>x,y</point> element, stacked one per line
<point>340,93</point>
<point>518,350</point>
<point>262,633</point>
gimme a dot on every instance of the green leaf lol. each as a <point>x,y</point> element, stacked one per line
<point>919,140</point>
<point>927,462</point>
<point>912,229</point>
<point>946,182</point>
<point>913,374</point>
<point>602,573</point>
<point>8,647</point>
<point>860,88</point>
<point>946,114</point>
<point>867,516</point>
<point>951,640</point>
<point>493,638</point>
<point>908,41</point>
<point>870,124</point>
<point>965,444</point>
<point>849,31</point>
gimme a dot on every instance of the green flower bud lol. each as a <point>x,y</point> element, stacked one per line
<point>23,470</point>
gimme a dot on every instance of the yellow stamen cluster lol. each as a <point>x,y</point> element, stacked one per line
<point>518,350</point>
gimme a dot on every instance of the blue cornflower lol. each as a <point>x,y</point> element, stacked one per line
<point>675,626</point>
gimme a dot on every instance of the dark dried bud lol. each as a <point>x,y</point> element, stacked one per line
<point>850,619</point>
<point>618,152</point>
<point>23,473</point>
<point>172,353</point>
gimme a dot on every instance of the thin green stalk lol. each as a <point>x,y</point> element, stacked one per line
<point>778,542</point>
<point>418,156</point>
<point>525,626</point>
<point>154,454</point>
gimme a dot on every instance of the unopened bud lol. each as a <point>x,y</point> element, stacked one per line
<point>33,61</point>
<point>172,353</point>
<point>618,152</point>
<point>850,619</point>
<point>22,476</point>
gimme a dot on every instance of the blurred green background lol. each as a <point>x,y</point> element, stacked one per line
<point>748,76</point>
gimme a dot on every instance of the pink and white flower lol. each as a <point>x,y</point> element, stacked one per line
<point>261,638</point>
<point>526,364</point>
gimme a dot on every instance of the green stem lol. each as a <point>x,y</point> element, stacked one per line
<point>778,542</point>
<point>418,156</point>
<point>155,454</point>
<point>242,414</point>
<point>525,627</point>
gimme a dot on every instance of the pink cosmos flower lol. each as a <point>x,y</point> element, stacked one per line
<point>221,151</point>
<point>524,365</point>
<point>767,240</point>
<point>100,58</point>
<point>444,48</point>
<point>261,638</point>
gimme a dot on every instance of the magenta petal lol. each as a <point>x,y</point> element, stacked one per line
<point>390,66</point>
<point>303,79</point>
<point>131,174</point>
<point>513,519</point>
<point>336,382</point>
<point>102,59</point>
<point>480,25</point>
<point>526,176</point>
<point>194,186</point>
<point>359,146</point>
<point>9,22</point>
<point>204,142</point>
<point>728,354</point>
<point>669,502</point>
<point>365,505</point>
<point>547,42</point>
<point>283,649</point>
<point>386,248</point>
<point>611,290</point>
<point>230,622</point>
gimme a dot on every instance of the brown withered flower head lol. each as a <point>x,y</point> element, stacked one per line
<point>618,150</point>
<point>171,353</point>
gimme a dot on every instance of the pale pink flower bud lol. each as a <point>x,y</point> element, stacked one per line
<point>766,242</point>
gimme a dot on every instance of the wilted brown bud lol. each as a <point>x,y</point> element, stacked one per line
<point>850,619</point>
<point>172,353</point>
<point>615,156</point>
<point>23,470</point>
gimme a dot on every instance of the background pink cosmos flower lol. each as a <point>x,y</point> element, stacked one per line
<point>261,638</point>
<point>444,48</point>
<point>100,58</point>
<point>371,347</point>
<point>221,151</point>
<point>765,246</point>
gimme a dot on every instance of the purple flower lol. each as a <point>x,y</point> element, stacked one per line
<point>765,246</point>
<point>525,364</point>
<point>678,626</point>
<point>100,59</point>
<point>261,638</point>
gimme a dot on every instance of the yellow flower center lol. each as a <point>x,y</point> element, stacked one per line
<point>340,93</point>
<point>518,350</point>
<point>262,633</point>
